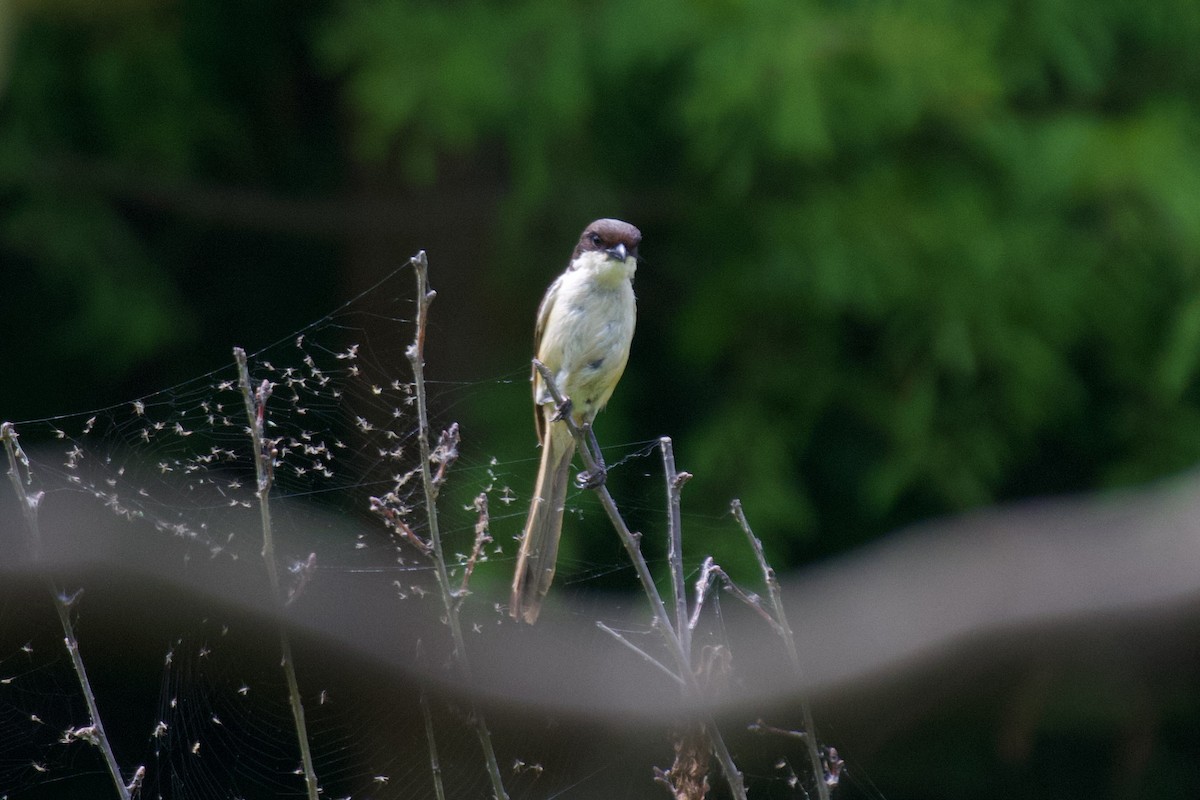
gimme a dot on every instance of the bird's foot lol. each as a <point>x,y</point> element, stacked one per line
<point>591,478</point>
<point>597,472</point>
<point>562,410</point>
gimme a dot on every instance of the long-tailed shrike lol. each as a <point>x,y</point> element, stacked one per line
<point>584,329</point>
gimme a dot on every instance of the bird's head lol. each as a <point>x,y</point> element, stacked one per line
<point>616,239</point>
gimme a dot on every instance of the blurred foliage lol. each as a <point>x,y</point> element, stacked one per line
<point>921,256</point>
<point>902,258</point>
<point>111,116</point>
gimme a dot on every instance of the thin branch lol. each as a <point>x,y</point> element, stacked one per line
<point>432,483</point>
<point>703,584</point>
<point>621,638</point>
<point>628,539</point>
<point>62,604</point>
<point>750,599</point>
<point>264,462</point>
<point>444,455</point>
<point>434,765</point>
<point>710,573</point>
<point>393,518</point>
<point>789,640</point>
<point>675,481</point>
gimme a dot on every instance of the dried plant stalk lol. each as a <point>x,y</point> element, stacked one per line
<point>256,411</point>
<point>95,733</point>
<point>432,483</point>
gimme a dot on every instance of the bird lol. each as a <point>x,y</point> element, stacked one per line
<point>584,331</point>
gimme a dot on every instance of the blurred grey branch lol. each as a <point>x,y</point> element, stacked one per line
<point>1082,578</point>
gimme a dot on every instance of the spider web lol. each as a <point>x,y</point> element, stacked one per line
<point>151,513</point>
<point>171,477</point>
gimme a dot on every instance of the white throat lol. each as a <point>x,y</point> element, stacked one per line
<point>607,273</point>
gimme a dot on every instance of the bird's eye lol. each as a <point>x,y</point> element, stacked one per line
<point>596,240</point>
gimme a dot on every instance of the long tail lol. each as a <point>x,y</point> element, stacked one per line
<point>539,545</point>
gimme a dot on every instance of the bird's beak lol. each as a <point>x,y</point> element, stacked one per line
<point>617,251</point>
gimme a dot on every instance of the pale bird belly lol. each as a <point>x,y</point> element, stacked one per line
<point>592,367</point>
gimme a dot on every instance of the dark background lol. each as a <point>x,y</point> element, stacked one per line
<point>900,260</point>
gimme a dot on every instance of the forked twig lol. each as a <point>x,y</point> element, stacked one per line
<point>264,466</point>
<point>710,574</point>
<point>785,631</point>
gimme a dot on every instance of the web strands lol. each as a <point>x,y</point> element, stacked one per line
<point>176,469</point>
<point>339,422</point>
<point>223,729</point>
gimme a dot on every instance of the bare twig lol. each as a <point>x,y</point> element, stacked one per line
<point>661,618</point>
<point>707,577</point>
<point>435,765</point>
<point>675,481</point>
<point>264,464</point>
<point>750,599</point>
<point>387,508</point>
<point>432,483</point>
<point>628,538</point>
<point>62,603</point>
<point>99,738</point>
<point>789,640</point>
<point>621,638</point>
<point>710,573</point>
<point>134,787</point>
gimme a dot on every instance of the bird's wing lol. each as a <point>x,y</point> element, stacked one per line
<point>543,316</point>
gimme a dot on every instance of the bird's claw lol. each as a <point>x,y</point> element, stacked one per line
<point>591,478</point>
<point>562,410</point>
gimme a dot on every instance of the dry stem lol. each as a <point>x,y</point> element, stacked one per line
<point>264,456</point>
<point>432,482</point>
<point>62,604</point>
<point>785,631</point>
<point>675,481</point>
<point>435,765</point>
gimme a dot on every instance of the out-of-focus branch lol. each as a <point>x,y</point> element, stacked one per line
<point>245,207</point>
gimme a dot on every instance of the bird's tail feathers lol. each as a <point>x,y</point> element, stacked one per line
<point>543,528</point>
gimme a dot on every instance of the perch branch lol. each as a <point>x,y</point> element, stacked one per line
<point>682,659</point>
